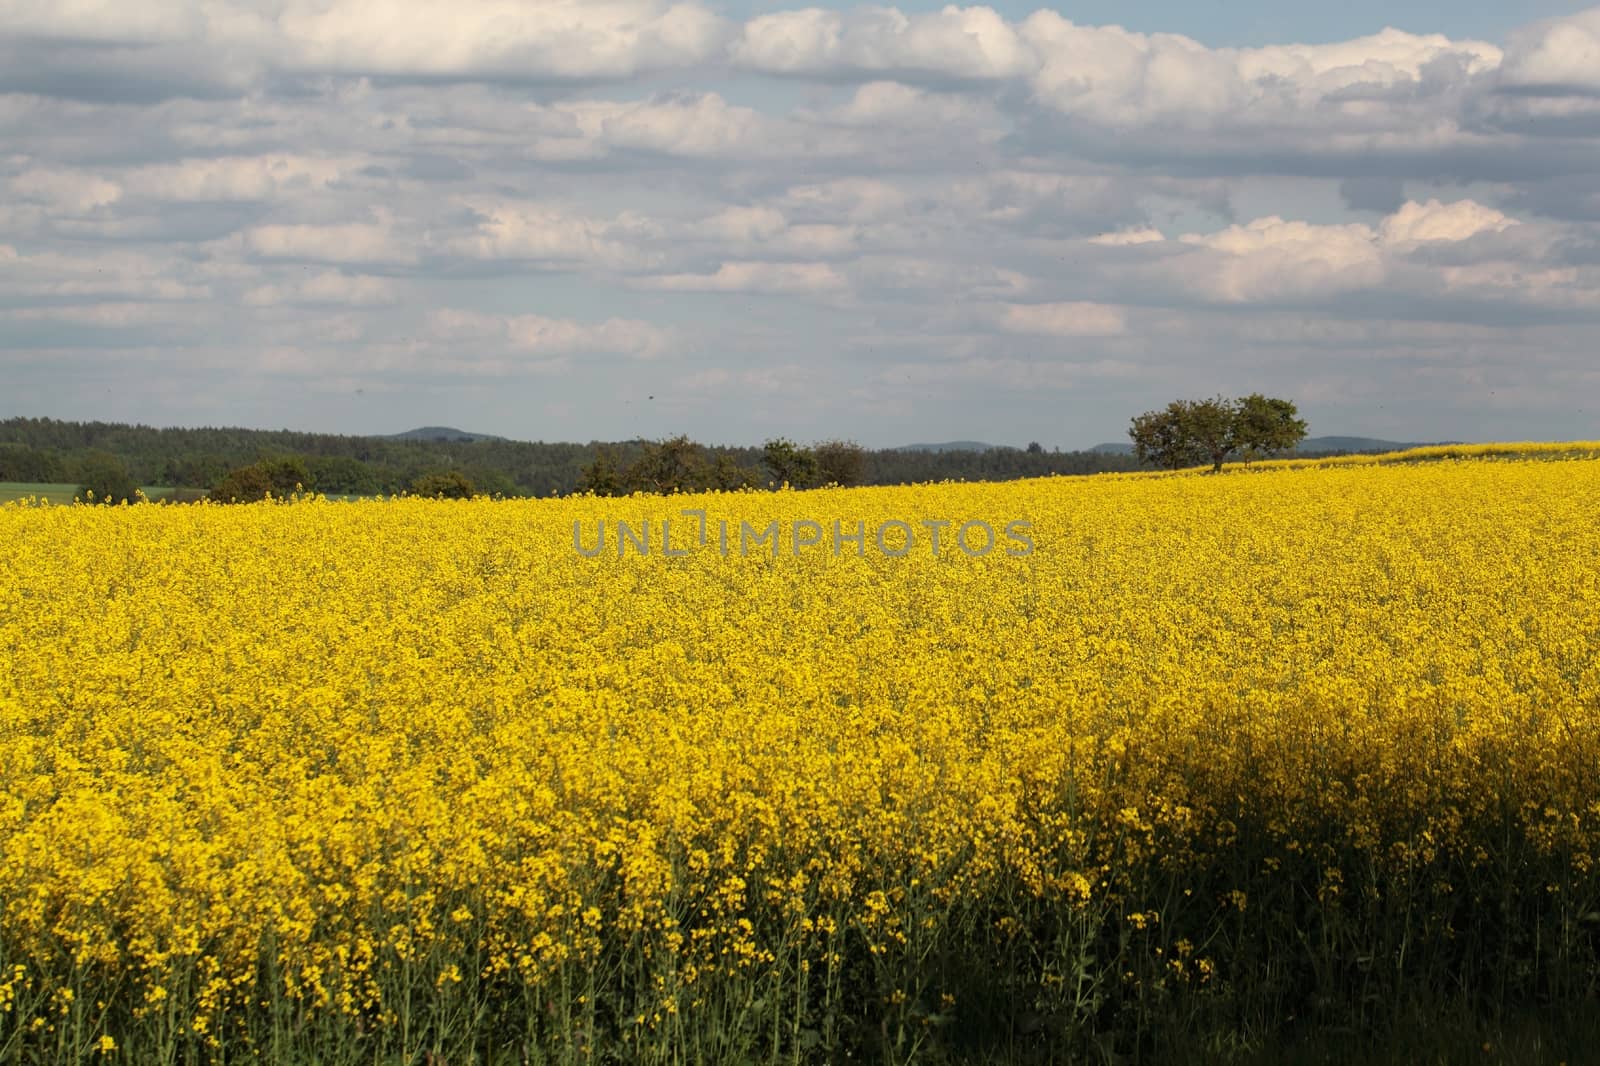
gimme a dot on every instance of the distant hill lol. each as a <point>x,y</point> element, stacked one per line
<point>948,446</point>
<point>445,433</point>
<point>1354,444</point>
<point>1308,446</point>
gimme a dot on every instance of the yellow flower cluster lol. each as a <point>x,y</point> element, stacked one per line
<point>387,761</point>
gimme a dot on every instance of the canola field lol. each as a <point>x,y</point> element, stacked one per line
<point>1180,761</point>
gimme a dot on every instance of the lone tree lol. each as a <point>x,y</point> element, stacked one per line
<point>1264,426</point>
<point>828,462</point>
<point>1211,424</point>
<point>1162,438</point>
<point>445,485</point>
<point>604,476</point>
<point>281,478</point>
<point>677,464</point>
<point>1188,432</point>
<point>673,465</point>
<point>839,462</point>
<point>789,463</point>
<point>106,479</point>
<point>726,475</point>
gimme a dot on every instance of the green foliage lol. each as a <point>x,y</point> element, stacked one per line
<point>1210,424</point>
<point>677,464</point>
<point>447,484</point>
<point>1263,426</point>
<point>605,476</point>
<point>342,475</point>
<point>287,475</point>
<point>245,485</point>
<point>900,467</point>
<point>789,463</point>
<point>829,462</point>
<point>839,462</point>
<point>1187,432</point>
<point>18,462</point>
<point>1161,438</point>
<point>280,477</point>
<point>673,465</point>
<point>727,475</point>
<point>103,478</point>
<point>491,482</point>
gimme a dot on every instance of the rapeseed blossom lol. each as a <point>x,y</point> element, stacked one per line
<point>390,764</point>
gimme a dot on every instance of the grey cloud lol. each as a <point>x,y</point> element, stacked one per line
<point>117,75</point>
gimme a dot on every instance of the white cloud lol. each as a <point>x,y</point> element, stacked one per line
<point>748,230</point>
<point>686,125</point>
<point>235,178</point>
<point>1112,77</point>
<point>228,46</point>
<point>252,179</point>
<point>349,242</point>
<point>1435,221</point>
<point>68,192</point>
<point>956,42</point>
<point>1272,260</point>
<point>1122,238</point>
<point>1461,251</point>
<point>1387,58</point>
<point>553,39</point>
<point>329,288</point>
<point>106,21</point>
<point>542,336</point>
<point>110,314</point>
<point>541,234</point>
<point>106,274</point>
<point>1074,319</point>
<point>1556,55</point>
<point>1019,196</point>
<point>948,279</point>
<point>744,225</point>
<point>763,277</point>
<point>1108,76</point>
<point>859,199</point>
<point>788,380</point>
<point>700,125</point>
<point>1568,288</point>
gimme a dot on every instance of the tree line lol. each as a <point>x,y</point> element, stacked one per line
<point>681,465</point>
<point>236,463</point>
<point>227,465</point>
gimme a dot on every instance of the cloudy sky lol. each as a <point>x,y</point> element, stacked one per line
<point>578,219</point>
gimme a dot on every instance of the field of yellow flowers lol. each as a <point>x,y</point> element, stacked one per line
<point>432,781</point>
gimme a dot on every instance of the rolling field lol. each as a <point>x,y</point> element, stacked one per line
<point>19,490</point>
<point>1182,768</point>
<point>59,492</point>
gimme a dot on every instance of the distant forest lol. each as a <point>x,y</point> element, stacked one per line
<point>47,450</point>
